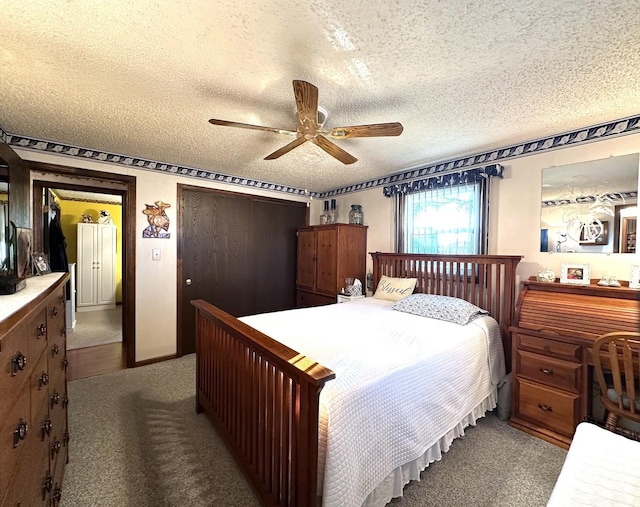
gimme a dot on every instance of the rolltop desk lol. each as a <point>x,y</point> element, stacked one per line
<point>33,393</point>
<point>555,328</point>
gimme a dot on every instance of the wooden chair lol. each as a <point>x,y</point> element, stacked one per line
<point>618,355</point>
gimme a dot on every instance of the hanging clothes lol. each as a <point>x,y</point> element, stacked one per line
<point>57,244</point>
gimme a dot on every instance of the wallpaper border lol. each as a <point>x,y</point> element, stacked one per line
<point>598,132</point>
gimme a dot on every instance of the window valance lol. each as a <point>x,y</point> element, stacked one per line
<point>445,180</point>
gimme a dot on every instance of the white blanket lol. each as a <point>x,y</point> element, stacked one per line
<point>402,382</point>
<point>602,469</point>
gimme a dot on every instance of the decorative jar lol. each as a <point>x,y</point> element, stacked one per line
<point>356,215</point>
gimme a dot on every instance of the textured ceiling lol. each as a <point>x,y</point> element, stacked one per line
<point>142,77</point>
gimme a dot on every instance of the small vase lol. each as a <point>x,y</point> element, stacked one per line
<point>356,216</point>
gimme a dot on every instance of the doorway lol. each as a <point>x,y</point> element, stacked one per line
<point>95,358</point>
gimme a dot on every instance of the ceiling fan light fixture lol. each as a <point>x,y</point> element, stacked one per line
<point>322,115</point>
<point>310,120</point>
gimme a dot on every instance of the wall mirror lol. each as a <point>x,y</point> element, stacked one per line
<point>591,207</point>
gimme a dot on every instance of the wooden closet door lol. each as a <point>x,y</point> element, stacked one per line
<point>237,252</point>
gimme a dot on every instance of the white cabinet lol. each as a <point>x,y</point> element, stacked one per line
<point>96,267</point>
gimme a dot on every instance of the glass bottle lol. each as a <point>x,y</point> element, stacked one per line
<point>324,216</point>
<point>356,216</point>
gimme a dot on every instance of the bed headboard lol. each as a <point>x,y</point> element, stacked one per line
<point>487,281</point>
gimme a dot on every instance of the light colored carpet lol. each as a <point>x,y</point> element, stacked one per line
<point>96,328</point>
<point>137,441</point>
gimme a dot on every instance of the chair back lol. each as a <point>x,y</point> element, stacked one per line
<point>618,354</point>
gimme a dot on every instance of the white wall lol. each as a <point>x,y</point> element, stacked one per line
<point>156,297</point>
<point>515,209</point>
<point>515,212</point>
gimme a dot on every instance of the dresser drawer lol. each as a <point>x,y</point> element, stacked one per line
<point>56,326</point>
<point>28,485</point>
<point>10,446</point>
<point>14,355</point>
<point>549,347</point>
<point>38,333</point>
<point>548,370</point>
<point>548,407</point>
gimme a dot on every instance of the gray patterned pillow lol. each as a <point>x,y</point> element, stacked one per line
<point>445,308</point>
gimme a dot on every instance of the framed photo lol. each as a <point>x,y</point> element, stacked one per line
<point>41,263</point>
<point>576,274</point>
<point>23,252</point>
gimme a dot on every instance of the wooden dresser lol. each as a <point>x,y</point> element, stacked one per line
<point>327,254</point>
<point>555,327</point>
<point>33,393</point>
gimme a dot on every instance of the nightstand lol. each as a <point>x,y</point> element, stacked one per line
<point>345,298</point>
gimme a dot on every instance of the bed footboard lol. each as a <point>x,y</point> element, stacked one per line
<point>263,398</point>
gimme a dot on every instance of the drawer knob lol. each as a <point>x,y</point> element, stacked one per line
<point>55,448</point>
<point>42,330</point>
<point>544,407</point>
<point>55,350</point>
<point>54,311</point>
<point>65,363</point>
<point>55,399</point>
<point>18,363</point>
<point>56,496</point>
<point>20,433</point>
<point>46,428</point>
<point>46,486</point>
<point>546,371</point>
<point>66,438</point>
<point>43,380</point>
<point>65,401</point>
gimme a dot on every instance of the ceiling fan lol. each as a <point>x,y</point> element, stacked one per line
<point>308,128</point>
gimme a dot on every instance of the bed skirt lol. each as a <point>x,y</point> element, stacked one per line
<point>393,485</point>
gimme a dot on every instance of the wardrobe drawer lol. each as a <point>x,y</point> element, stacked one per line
<point>548,370</point>
<point>548,407</point>
<point>549,347</point>
<point>305,299</point>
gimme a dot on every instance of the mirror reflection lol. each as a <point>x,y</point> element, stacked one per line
<point>591,206</point>
<point>4,216</point>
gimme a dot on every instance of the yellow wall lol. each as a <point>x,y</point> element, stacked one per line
<point>71,214</point>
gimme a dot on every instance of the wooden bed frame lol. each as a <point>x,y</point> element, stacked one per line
<point>263,397</point>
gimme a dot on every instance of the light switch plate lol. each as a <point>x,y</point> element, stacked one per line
<point>155,254</point>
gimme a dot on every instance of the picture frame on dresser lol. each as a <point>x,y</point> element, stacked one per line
<point>41,264</point>
<point>575,274</point>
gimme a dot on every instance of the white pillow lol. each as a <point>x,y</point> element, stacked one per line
<point>446,308</point>
<point>394,289</point>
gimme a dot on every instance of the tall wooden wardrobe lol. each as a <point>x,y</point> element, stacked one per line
<point>327,254</point>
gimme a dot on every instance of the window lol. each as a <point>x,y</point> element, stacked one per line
<point>446,214</point>
<point>442,220</point>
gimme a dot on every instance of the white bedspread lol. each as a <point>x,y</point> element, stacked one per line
<point>402,382</point>
<point>602,469</point>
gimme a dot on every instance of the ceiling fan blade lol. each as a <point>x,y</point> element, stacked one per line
<point>307,103</point>
<point>286,148</point>
<point>375,130</point>
<point>226,123</point>
<point>333,149</point>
